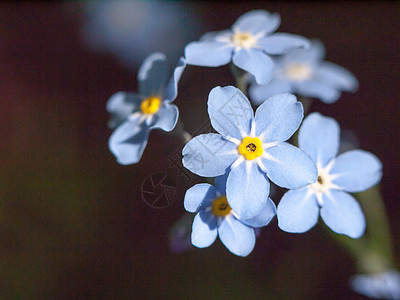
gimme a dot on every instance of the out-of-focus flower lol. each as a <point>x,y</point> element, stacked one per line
<point>137,114</point>
<point>352,171</point>
<point>252,148</point>
<point>132,29</point>
<point>303,72</point>
<point>215,217</point>
<point>383,285</point>
<point>248,45</point>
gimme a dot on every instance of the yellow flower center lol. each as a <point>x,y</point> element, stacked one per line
<point>243,40</point>
<point>251,147</point>
<point>220,206</point>
<point>150,105</point>
<point>322,184</point>
<point>298,72</point>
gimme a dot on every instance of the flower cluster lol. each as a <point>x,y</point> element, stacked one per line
<point>252,149</point>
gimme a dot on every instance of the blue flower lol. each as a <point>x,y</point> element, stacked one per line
<point>247,44</point>
<point>252,148</point>
<point>383,285</point>
<point>135,115</point>
<point>215,217</point>
<point>352,171</point>
<point>303,72</point>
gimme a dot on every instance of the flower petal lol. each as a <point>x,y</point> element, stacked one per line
<point>288,166</point>
<point>121,105</point>
<point>152,75</point>
<point>247,190</point>
<point>383,285</point>
<point>319,137</point>
<point>209,155</point>
<point>336,76</point>
<point>230,112</point>
<point>280,43</point>
<point>257,21</point>
<point>255,62</point>
<point>129,140</point>
<point>317,90</point>
<point>264,217</point>
<point>203,235</point>
<point>298,211</point>
<point>166,117</point>
<point>359,170</point>
<point>278,118</point>
<point>236,236</point>
<point>198,196</point>
<point>220,183</point>
<point>171,90</point>
<point>311,56</point>
<point>259,93</point>
<point>342,213</point>
<point>208,53</point>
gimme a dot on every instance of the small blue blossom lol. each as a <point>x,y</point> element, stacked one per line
<point>247,45</point>
<point>352,171</point>
<point>252,148</point>
<point>383,285</point>
<point>135,115</point>
<point>215,217</point>
<point>303,72</point>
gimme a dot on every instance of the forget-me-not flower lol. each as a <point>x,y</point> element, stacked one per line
<point>137,114</point>
<point>303,72</point>
<point>248,45</point>
<point>252,148</point>
<point>382,285</point>
<point>215,217</point>
<point>352,171</point>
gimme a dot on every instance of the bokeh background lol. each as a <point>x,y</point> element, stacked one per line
<point>72,222</point>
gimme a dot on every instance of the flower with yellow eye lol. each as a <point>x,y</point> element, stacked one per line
<point>303,72</point>
<point>215,217</point>
<point>135,115</point>
<point>252,148</point>
<point>352,171</point>
<point>248,44</point>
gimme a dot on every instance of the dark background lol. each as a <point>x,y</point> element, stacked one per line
<point>72,224</point>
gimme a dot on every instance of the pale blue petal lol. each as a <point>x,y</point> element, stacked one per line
<point>121,105</point>
<point>259,93</point>
<point>257,21</point>
<point>220,183</point>
<point>319,137</point>
<point>342,213</point>
<point>209,155</point>
<point>312,55</point>
<point>278,118</point>
<point>236,236</point>
<point>288,166</point>
<point>212,35</point>
<point>256,63</point>
<point>230,112</point>
<point>208,53</point>
<point>317,90</point>
<point>247,190</point>
<point>359,170</point>
<point>384,285</point>
<point>264,217</point>
<point>166,117</point>
<point>298,211</point>
<point>203,235</point>
<point>171,90</point>
<point>280,43</point>
<point>152,75</point>
<point>336,76</point>
<point>128,141</point>
<point>199,196</point>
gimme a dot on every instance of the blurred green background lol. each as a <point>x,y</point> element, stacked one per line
<point>72,224</point>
